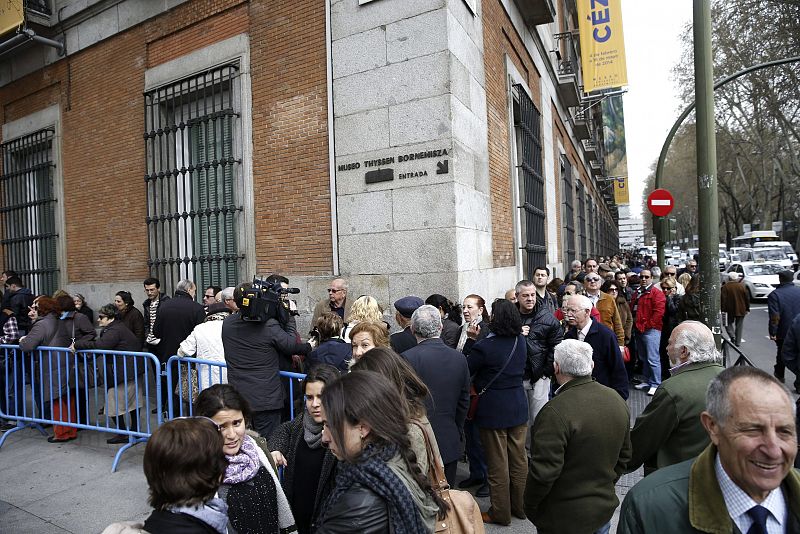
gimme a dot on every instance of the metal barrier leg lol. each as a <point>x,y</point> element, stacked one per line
<point>131,442</point>
<point>19,427</point>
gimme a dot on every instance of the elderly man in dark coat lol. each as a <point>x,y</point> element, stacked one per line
<point>404,340</point>
<point>176,319</point>
<point>609,369</point>
<point>444,370</point>
<point>580,445</point>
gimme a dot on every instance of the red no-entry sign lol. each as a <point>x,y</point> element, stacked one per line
<point>660,202</point>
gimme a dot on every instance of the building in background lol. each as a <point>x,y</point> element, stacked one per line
<point>411,146</point>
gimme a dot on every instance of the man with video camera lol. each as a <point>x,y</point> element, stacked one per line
<point>254,339</point>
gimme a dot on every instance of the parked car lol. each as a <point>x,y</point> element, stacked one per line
<point>766,254</point>
<point>760,278</point>
<point>797,278</point>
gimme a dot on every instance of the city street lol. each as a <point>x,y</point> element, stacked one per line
<point>65,488</point>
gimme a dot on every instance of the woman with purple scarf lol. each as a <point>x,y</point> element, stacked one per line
<point>256,502</point>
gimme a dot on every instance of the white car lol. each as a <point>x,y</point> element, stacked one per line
<point>759,278</point>
<point>766,254</point>
<point>797,278</point>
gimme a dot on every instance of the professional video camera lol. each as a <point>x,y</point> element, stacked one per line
<point>264,300</point>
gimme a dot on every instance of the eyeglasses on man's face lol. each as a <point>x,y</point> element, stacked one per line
<point>332,290</point>
<point>593,278</point>
<point>645,277</point>
<point>207,296</point>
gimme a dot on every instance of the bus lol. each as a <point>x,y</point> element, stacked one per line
<point>748,239</point>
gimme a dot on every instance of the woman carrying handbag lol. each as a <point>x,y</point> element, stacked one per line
<point>497,363</point>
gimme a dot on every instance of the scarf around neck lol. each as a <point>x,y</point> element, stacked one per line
<point>214,513</point>
<point>243,465</point>
<point>312,431</point>
<point>372,472</point>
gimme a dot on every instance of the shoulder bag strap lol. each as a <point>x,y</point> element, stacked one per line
<point>435,471</point>
<point>510,355</point>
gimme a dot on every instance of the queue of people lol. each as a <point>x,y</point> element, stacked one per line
<point>532,387</point>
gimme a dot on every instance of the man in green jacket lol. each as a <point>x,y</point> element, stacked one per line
<point>743,482</point>
<point>580,444</point>
<point>669,430</point>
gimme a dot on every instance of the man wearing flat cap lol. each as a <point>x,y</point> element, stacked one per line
<point>405,339</point>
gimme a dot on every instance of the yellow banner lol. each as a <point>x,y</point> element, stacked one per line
<point>11,15</point>
<point>602,44</point>
<point>621,197</point>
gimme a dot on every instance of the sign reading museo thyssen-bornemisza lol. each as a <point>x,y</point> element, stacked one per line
<point>383,167</point>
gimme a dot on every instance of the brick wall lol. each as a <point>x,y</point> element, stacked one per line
<point>500,38</point>
<point>99,90</point>
<point>290,137</point>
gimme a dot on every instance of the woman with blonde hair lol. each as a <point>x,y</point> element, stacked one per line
<point>365,308</point>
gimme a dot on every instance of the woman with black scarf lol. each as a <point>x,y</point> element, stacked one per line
<point>379,486</point>
<point>297,445</point>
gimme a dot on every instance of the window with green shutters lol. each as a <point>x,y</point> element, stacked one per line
<point>193,179</point>
<point>28,211</point>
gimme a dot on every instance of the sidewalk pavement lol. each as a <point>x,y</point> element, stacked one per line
<point>50,488</point>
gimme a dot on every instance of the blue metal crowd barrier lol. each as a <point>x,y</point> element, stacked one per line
<point>186,377</point>
<point>67,388</point>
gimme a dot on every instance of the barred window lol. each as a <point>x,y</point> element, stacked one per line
<point>30,238</point>
<point>528,129</point>
<point>194,179</point>
<point>581,194</point>
<point>567,211</point>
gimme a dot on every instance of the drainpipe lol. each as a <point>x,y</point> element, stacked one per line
<point>26,35</point>
<point>331,143</point>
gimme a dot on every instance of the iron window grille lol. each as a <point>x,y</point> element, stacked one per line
<point>581,194</point>
<point>527,123</point>
<point>194,179</point>
<point>28,213</point>
<point>568,211</point>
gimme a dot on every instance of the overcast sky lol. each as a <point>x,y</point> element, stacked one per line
<point>651,104</point>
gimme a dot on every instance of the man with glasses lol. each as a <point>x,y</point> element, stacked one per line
<point>672,271</point>
<point>609,369</point>
<point>228,300</point>
<point>336,301</point>
<point>606,305</point>
<point>648,305</point>
<point>691,268</point>
<point>210,296</point>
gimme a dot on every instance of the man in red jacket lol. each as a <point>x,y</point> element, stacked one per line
<point>648,307</point>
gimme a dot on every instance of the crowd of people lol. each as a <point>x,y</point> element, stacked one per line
<point>531,388</point>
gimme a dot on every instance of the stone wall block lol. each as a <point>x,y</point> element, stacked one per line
<point>420,120</point>
<point>417,36</point>
<point>428,206</point>
<point>359,132</point>
<point>414,251</point>
<point>348,18</point>
<point>371,52</point>
<point>393,84</point>
<point>97,28</point>
<point>365,213</point>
